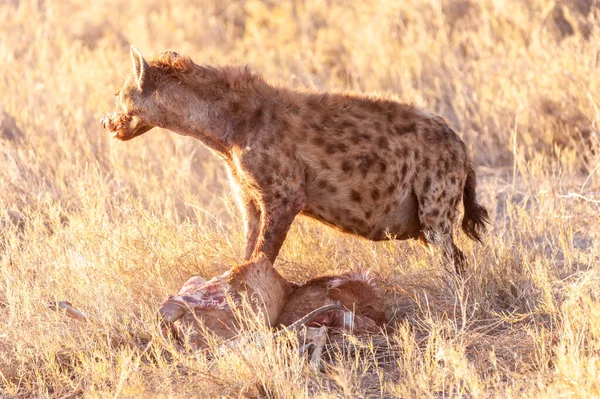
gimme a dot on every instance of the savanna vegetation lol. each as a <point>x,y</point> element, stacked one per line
<point>114,227</point>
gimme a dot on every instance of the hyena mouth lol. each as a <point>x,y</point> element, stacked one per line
<point>118,132</point>
<point>125,136</point>
<point>122,128</point>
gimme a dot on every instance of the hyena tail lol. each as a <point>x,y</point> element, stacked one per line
<point>476,216</point>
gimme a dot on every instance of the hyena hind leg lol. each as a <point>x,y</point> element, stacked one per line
<point>437,219</point>
<point>451,253</point>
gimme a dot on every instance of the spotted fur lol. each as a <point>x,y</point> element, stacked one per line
<point>368,166</point>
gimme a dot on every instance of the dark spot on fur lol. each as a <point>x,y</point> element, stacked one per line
<point>258,113</point>
<point>452,157</point>
<point>405,128</point>
<point>275,165</point>
<point>332,189</point>
<point>325,165</point>
<point>234,107</point>
<point>346,125</point>
<point>383,143</point>
<point>375,194</point>
<point>426,184</point>
<point>435,135</point>
<point>320,141</point>
<point>356,136</point>
<point>391,115</point>
<point>404,170</point>
<point>368,214</point>
<point>347,166</point>
<point>388,208</point>
<point>330,149</point>
<point>391,188</point>
<point>290,151</point>
<point>365,162</point>
<point>382,167</point>
<point>434,213</point>
<point>315,126</point>
<point>355,196</point>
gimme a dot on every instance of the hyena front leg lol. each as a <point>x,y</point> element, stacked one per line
<point>277,217</point>
<point>252,221</point>
<point>250,208</point>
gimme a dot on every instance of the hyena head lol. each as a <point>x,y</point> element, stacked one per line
<point>135,111</point>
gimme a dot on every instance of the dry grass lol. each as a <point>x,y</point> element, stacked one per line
<point>114,227</point>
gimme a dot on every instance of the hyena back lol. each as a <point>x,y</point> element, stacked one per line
<point>372,167</point>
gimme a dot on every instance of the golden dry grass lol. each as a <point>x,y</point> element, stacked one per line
<point>114,227</point>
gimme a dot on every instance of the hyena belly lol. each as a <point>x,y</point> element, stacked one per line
<point>374,207</point>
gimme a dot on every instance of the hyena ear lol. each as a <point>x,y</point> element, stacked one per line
<point>140,68</point>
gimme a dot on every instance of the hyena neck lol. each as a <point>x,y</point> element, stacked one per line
<point>203,131</point>
<point>225,107</point>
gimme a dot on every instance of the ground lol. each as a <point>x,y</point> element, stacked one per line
<point>114,227</point>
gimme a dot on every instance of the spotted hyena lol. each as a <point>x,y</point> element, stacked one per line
<point>373,167</point>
